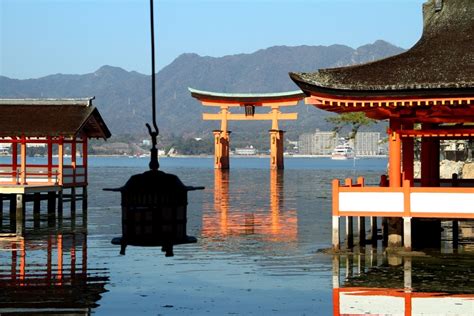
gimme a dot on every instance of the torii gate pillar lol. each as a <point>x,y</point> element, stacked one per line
<point>276,149</point>
<point>221,149</point>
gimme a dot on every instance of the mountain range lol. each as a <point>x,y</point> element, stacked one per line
<point>124,97</point>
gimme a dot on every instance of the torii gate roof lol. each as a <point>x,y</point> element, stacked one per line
<point>441,63</point>
<point>247,98</point>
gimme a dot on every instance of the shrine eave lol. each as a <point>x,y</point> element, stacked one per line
<point>247,97</point>
<point>378,92</point>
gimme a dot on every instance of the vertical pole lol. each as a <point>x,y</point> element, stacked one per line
<point>221,149</point>
<point>14,161</point>
<point>12,211</point>
<point>361,219</point>
<point>51,208</point>
<point>335,285</point>
<point>373,231</point>
<point>73,202</point>
<point>394,223</point>
<point>394,154</point>
<point>36,209</point>
<point>276,149</point>
<point>20,215</point>
<point>407,233</point>
<point>73,257</point>
<point>50,159</point>
<point>22,261</point>
<point>349,223</point>
<point>61,160</point>
<point>49,259</point>
<point>455,234</point>
<point>73,159</point>
<point>85,158</point>
<point>23,160</point>
<point>335,215</point>
<point>225,142</point>
<point>60,207</point>
<point>60,257</point>
<point>84,206</point>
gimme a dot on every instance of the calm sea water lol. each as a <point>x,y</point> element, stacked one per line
<point>259,235</point>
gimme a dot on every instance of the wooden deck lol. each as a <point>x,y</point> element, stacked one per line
<point>17,195</point>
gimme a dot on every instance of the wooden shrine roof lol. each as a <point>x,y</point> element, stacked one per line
<point>247,97</point>
<point>440,64</point>
<point>51,117</point>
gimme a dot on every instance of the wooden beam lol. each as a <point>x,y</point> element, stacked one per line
<point>258,104</point>
<point>243,117</point>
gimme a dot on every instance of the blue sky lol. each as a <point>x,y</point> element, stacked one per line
<point>42,37</point>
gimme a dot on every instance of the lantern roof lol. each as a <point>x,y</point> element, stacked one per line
<point>440,63</point>
<point>51,117</point>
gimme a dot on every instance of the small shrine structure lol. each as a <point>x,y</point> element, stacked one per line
<point>61,128</point>
<point>248,101</point>
<point>426,93</point>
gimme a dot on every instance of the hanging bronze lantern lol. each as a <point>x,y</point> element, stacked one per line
<point>154,203</point>
<point>154,211</point>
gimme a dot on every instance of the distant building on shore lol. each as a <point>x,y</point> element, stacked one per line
<point>366,144</point>
<point>317,143</point>
<point>247,151</point>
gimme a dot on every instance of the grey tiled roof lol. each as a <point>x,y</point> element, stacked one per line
<point>51,117</point>
<point>442,61</point>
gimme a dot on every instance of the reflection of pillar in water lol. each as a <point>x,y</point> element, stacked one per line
<point>221,197</point>
<point>335,284</point>
<point>276,187</point>
<point>407,280</point>
<point>59,244</point>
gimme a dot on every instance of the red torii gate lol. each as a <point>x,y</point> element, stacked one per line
<point>248,101</point>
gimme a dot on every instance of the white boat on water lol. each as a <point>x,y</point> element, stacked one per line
<point>342,152</point>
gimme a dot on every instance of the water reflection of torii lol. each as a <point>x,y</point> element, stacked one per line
<point>274,225</point>
<point>370,291</point>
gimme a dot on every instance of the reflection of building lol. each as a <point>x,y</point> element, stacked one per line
<point>317,143</point>
<point>276,224</point>
<point>49,276</point>
<point>398,290</point>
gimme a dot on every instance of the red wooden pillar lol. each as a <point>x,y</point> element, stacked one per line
<point>14,160</point>
<point>395,224</point>
<point>60,160</point>
<point>394,154</point>
<point>23,160</point>
<point>276,149</point>
<point>408,153</point>
<point>84,157</point>
<point>50,159</point>
<point>60,258</point>
<point>73,159</point>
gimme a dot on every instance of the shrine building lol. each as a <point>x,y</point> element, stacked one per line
<point>48,145</point>
<point>426,94</point>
